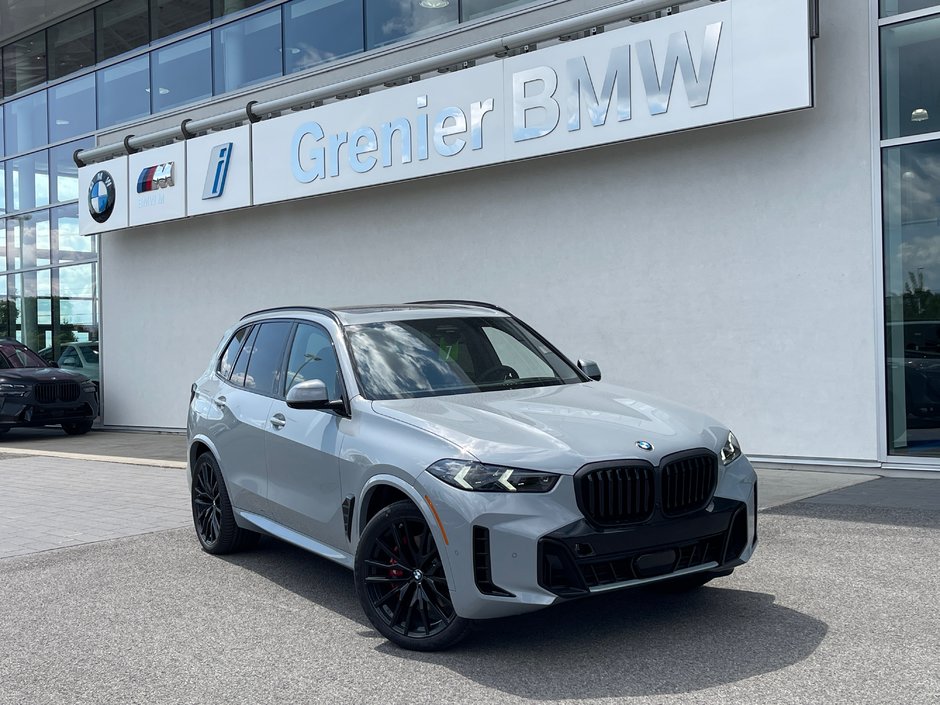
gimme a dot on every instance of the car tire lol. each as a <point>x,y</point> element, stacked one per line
<point>77,428</point>
<point>213,517</point>
<point>685,583</point>
<point>401,584</point>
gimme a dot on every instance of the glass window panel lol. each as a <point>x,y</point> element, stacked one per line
<point>72,108</point>
<point>124,91</point>
<point>30,303</point>
<point>3,250</point>
<point>24,63</point>
<point>2,151</point>
<point>391,20</point>
<point>28,240</point>
<point>911,182</point>
<point>172,16</point>
<point>25,123</point>
<point>122,25</point>
<point>225,7</point>
<point>3,189</point>
<point>247,51</point>
<point>320,30</point>
<point>71,45</point>
<point>890,8</point>
<point>27,181</point>
<point>182,73</point>
<point>77,304</point>
<point>68,246</point>
<point>472,9</point>
<point>63,180</point>
<point>910,78</point>
<point>267,356</point>
<point>6,308</point>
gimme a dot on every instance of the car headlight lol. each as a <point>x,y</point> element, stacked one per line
<point>473,476</point>
<point>89,387</point>
<point>731,450</point>
<point>12,390</point>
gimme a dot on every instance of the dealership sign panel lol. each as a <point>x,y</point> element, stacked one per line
<point>730,61</point>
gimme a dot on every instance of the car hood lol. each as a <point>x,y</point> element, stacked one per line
<point>40,374</point>
<point>558,428</point>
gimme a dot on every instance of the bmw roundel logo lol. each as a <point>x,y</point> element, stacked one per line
<point>644,445</point>
<point>101,196</point>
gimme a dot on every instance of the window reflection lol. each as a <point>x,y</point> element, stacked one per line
<point>911,177</point>
<point>63,181</point>
<point>247,51</point>
<point>72,108</point>
<point>390,20</point>
<point>25,123</point>
<point>77,303</point>
<point>27,181</point>
<point>172,16</point>
<point>910,78</point>
<point>224,7</point>
<point>320,30</point>
<point>24,63</point>
<point>472,9</point>
<point>71,45</point>
<point>68,245</point>
<point>123,91</point>
<point>181,73</point>
<point>898,7</point>
<point>122,25</point>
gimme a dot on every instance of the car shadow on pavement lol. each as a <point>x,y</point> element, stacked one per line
<point>634,643</point>
<point>622,644</point>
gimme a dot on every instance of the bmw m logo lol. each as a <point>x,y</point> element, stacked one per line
<point>644,445</point>
<point>101,196</point>
<point>155,177</point>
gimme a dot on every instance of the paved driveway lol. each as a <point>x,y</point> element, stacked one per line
<point>839,606</point>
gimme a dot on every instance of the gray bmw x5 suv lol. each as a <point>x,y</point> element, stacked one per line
<point>458,463</point>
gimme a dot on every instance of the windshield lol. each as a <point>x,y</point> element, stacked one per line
<point>18,356</point>
<point>438,356</point>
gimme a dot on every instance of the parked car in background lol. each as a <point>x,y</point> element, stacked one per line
<point>458,463</point>
<point>35,393</point>
<point>81,357</point>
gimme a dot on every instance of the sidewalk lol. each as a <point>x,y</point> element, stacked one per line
<point>131,447</point>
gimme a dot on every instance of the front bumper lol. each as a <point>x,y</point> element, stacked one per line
<point>514,553</point>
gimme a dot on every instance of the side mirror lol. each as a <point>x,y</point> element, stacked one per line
<point>590,368</point>
<point>309,395</point>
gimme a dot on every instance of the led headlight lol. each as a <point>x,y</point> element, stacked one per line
<point>12,390</point>
<point>89,387</point>
<point>731,450</point>
<point>473,476</point>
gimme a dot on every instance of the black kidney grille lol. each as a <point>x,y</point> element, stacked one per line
<point>688,483</point>
<point>617,495</point>
<point>50,392</point>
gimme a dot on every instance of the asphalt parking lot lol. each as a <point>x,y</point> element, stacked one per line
<point>838,606</point>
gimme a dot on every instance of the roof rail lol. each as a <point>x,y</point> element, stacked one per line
<point>312,309</point>
<point>460,302</point>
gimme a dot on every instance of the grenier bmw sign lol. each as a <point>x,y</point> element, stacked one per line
<point>719,63</point>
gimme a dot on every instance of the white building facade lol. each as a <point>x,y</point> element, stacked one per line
<point>729,204</point>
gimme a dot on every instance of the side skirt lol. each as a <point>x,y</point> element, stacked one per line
<point>305,542</point>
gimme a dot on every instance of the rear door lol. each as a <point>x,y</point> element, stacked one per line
<point>243,400</point>
<point>303,444</point>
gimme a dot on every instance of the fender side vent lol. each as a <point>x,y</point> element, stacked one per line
<point>348,504</point>
<point>482,573</point>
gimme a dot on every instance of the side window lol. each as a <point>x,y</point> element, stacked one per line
<point>517,355</point>
<point>70,359</point>
<point>228,357</point>
<point>241,362</point>
<point>312,357</point>
<point>267,356</point>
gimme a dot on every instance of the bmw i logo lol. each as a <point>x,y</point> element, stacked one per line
<point>644,445</point>
<point>101,196</point>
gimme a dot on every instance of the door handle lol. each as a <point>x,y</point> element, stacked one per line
<point>278,421</point>
<point>220,402</point>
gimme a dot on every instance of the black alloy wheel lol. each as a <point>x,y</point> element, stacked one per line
<point>212,510</point>
<point>401,583</point>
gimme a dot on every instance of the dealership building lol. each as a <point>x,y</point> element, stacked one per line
<point>734,205</point>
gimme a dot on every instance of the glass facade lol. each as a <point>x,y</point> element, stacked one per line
<point>125,60</point>
<point>910,109</point>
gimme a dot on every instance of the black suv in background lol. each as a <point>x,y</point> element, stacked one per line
<point>34,392</point>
